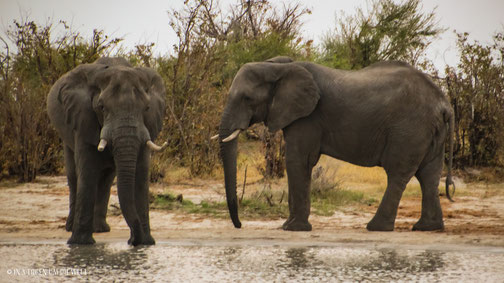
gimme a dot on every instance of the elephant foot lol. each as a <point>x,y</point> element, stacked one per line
<point>81,239</point>
<point>423,225</point>
<point>149,240</point>
<point>69,224</point>
<point>380,224</point>
<point>296,225</point>
<point>143,240</point>
<point>101,227</point>
<point>284,226</point>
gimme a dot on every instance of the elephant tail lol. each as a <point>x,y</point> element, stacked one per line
<point>449,181</point>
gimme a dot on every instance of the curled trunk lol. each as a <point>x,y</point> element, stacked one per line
<point>228,154</point>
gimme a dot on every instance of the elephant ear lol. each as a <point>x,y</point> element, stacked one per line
<point>295,96</point>
<point>154,86</point>
<point>76,95</point>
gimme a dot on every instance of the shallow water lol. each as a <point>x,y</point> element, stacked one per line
<point>188,262</point>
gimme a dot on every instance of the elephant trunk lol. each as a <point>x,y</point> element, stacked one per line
<point>228,154</point>
<point>125,155</point>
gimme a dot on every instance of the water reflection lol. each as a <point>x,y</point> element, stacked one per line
<point>181,263</point>
<point>390,264</point>
<point>297,258</point>
<point>101,258</point>
<point>393,260</point>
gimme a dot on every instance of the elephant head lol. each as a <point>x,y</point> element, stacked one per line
<point>275,92</point>
<point>118,110</point>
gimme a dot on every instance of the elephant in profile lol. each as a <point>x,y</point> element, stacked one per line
<point>108,113</point>
<point>388,114</point>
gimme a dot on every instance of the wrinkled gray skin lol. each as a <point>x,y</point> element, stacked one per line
<point>387,115</point>
<point>108,100</point>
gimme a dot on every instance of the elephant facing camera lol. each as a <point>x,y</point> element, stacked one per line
<point>108,115</point>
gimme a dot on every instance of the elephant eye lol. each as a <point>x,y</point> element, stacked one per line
<point>248,99</point>
<point>100,106</point>
<point>147,108</point>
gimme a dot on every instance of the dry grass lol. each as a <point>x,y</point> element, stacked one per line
<point>371,181</point>
<point>368,180</point>
<point>175,174</point>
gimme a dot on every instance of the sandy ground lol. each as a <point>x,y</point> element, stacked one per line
<point>36,212</point>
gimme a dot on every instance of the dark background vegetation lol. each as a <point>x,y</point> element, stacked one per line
<point>213,44</point>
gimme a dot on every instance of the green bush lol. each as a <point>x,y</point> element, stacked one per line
<point>28,144</point>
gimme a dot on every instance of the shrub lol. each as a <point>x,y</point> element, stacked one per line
<point>28,144</point>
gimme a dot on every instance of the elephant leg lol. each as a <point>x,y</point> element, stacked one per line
<point>88,172</point>
<point>102,199</point>
<point>385,216</point>
<point>142,195</point>
<point>299,178</point>
<point>401,160</point>
<point>302,153</point>
<point>291,210</point>
<point>72,184</point>
<point>432,215</point>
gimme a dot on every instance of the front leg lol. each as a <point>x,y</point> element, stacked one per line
<point>72,185</point>
<point>102,199</point>
<point>88,172</point>
<point>302,153</point>
<point>142,194</point>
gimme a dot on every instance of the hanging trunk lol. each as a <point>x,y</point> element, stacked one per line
<point>228,154</point>
<point>125,155</point>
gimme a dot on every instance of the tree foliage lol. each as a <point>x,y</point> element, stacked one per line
<point>28,144</point>
<point>389,31</point>
<point>213,45</point>
<point>476,90</point>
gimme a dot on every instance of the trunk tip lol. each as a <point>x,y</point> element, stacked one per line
<point>237,224</point>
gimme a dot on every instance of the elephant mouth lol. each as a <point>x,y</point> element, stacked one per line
<point>236,132</point>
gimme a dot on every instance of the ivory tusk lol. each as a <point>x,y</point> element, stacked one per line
<point>214,137</point>
<point>232,136</point>
<point>156,147</point>
<point>102,145</point>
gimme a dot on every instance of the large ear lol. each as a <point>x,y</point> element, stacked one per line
<point>76,95</point>
<point>154,86</point>
<point>295,95</point>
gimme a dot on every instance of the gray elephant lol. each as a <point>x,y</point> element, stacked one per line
<point>107,114</point>
<point>387,115</point>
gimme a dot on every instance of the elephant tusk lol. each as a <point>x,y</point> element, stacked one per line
<point>214,137</point>
<point>102,145</point>
<point>232,136</point>
<point>156,147</point>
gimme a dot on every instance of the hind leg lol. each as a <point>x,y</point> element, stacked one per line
<point>400,164</point>
<point>385,216</point>
<point>428,175</point>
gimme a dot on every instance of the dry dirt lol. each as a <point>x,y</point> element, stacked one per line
<point>36,212</point>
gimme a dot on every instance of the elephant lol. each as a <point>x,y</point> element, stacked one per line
<point>388,114</point>
<point>107,114</point>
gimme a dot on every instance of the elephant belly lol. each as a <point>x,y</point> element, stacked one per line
<point>354,148</point>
